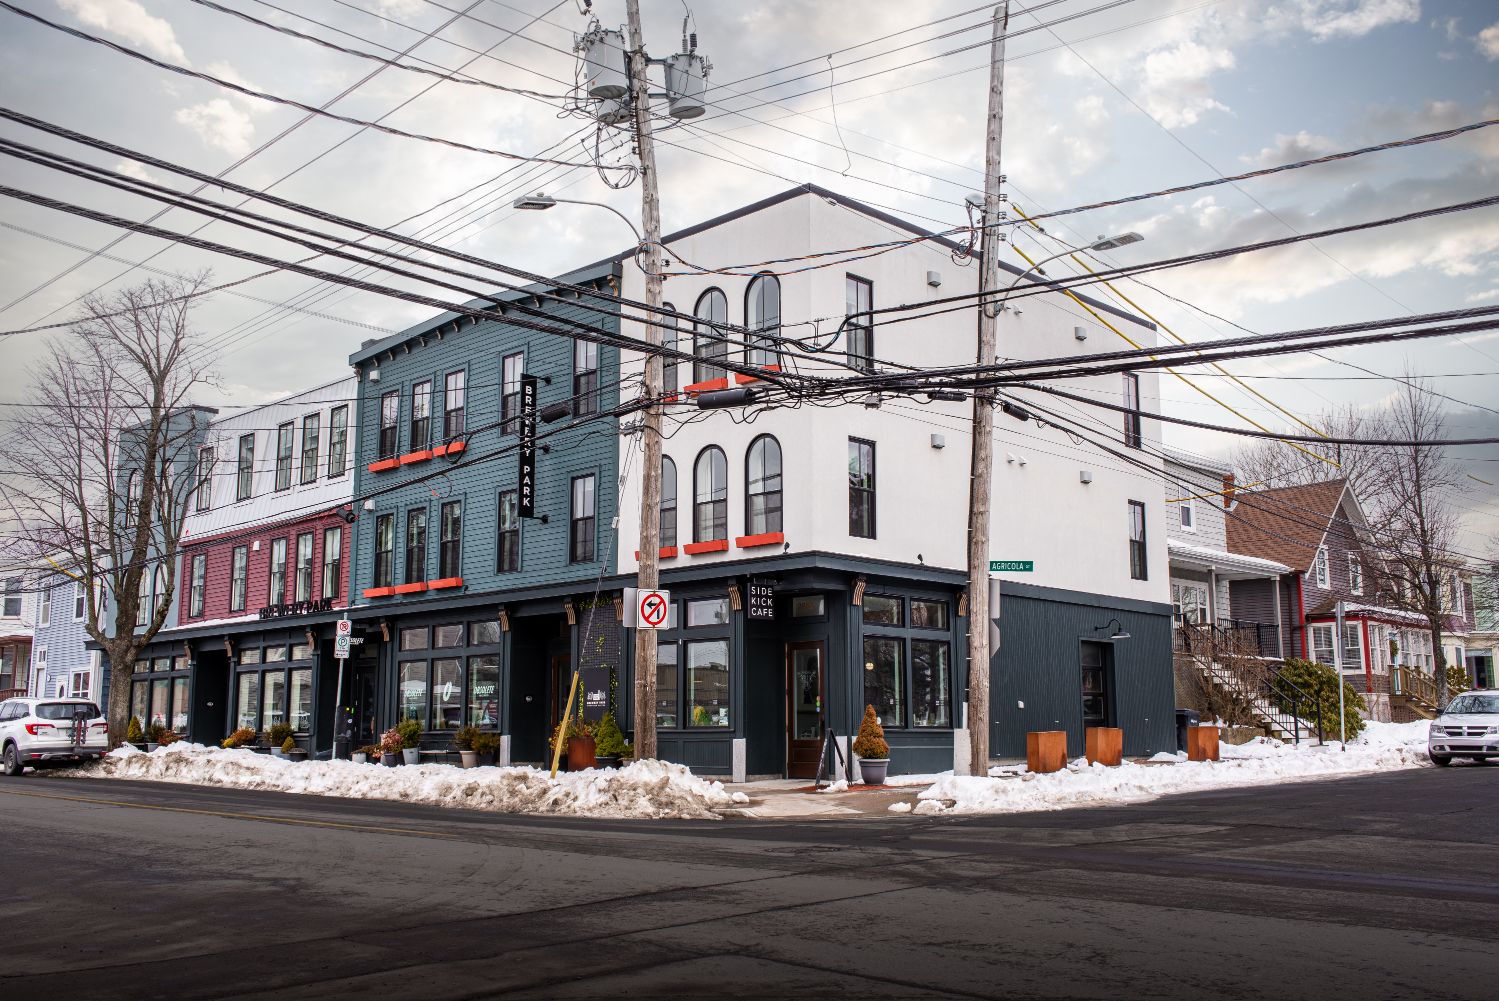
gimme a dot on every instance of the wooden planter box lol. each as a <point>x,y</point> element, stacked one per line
<point>1046,750</point>
<point>1202,743</point>
<point>1104,745</point>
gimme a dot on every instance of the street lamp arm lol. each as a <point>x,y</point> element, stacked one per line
<point>624,218</point>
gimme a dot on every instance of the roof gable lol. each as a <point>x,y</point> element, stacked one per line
<point>1285,524</point>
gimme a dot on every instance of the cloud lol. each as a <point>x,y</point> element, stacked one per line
<point>219,124</point>
<point>132,169</point>
<point>1290,149</point>
<point>1488,42</point>
<point>1329,19</point>
<point>130,21</point>
<point>1478,297</point>
<point>1448,27</point>
<point>1177,88</point>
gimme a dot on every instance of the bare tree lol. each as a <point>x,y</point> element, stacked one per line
<point>104,463</point>
<point>1412,526</point>
<point>1267,463</point>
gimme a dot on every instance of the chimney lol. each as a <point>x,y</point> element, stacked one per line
<point>1228,491</point>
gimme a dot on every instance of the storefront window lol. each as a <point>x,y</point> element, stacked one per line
<point>251,656</point>
<point>444,637</point>
<point>931,702</point>
<point>413,692</point>
<point>928,614</point>
<point>447,693</point>
<point>301,700</point>
<point>807,606</point>
<point>179,705</point>
<point>275,655</point>
<point>709,612</point>
<point>882,611</point>
<point>302,651</point>
<point>483,634</point>
<point>249,701</point>
<point>272,698</point>
<point>883,674</point>
<point>484,686</point>
<point>414,639</point>
<point>161,664</point>
<point>161,696</point>
<point>138,695</point>
<point>666,685</point>
<point>708,683</point>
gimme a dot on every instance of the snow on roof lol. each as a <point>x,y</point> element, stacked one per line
<point>1224,558</point>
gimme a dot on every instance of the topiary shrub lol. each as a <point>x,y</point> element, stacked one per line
<point>608,740</point>
<point>288,745</point>
<point>1320,683</point>
<point>410,731</point>
<point>279,734</point>
<point>239,738</point>
<point>871,740</point>
<point>133,732</point>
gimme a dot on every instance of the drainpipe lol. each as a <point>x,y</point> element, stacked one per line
<point>1280,629</point>
<point>1301,611</point>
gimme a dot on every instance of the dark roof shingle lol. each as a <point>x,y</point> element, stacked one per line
<point>1285,524</point>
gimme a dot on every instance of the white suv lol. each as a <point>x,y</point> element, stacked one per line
<point>41,732</point>
<point>1467,728</point>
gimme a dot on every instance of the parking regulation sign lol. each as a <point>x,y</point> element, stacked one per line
<point>341,636</point>
<point>652,608</point>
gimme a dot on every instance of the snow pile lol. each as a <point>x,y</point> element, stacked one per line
<point>644,789</point>
<point>1382,747</point>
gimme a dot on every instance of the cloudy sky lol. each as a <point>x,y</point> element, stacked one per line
<point>1143,95</point>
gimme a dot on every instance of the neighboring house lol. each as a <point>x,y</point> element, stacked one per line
<point>262,573</point>
<point>17,615</point>
<point>816,555</point>
<point>68,667</point>
<point>1458,615</point>
<point>1483,641</point>
<point>1200,497</point>
<point>1317,531</point>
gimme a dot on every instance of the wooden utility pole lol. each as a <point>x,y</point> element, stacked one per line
<point>991,240</point>
<point>650,480</point>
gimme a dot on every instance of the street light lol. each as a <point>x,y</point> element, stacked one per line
<point>1101,244</point>
<point>539,202</point>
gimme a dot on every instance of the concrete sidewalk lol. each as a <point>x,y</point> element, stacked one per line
<point>777,799</point>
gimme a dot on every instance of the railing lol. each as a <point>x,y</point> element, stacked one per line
<point>1291,699</point>
<point>1246,689</point>
<point>1255,639</point>
<point>1413,684</point>
<point>11,693</point>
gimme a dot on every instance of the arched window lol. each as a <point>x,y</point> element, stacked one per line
<point>668,502</point>
<point>710,512</point>
<point>708,344</point>
<point>669,341</point>
<point>129,501</point>
<point>762,486</point>
<point>762,314</point>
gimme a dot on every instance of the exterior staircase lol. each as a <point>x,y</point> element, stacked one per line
<point>1251,683</point>
<point>1414,691</point>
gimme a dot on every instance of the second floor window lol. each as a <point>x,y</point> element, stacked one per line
<point>585,377</point>
<point>245,469</point>
<point>421,415</point>
<point>131,499</point>
<point>312,432</point>
<point>668,341</point>
<point>195,593</point>
<point>1323,576</point>
<point>450,545</point>
<point>1132,406</point>
<point>333,549</point>
<point>205,479</point>
<point>710,493</point>
<point>452,413</point>
<point>668,502</point>
<point>238,578</point>
<point>509,541</point>
<point>338,441</point>
<point>858,300</point>
<point>861,508</point>
<point>385,550</point>
<point>762,484</point>
<point>708,344</point>
<point>277,594</point>
<point>1138,569</point>
<point>390,424</point>
<point>512,367</point>
<point>283,456</point>
<point>416,545</point>
<point>143,599</point>
<point>1355,575</point>
<point>1184,508</point>
<point>303,587</point>
<point>581,526</point>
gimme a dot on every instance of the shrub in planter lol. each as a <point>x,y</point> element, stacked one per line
<point>279,733</point>
<point>168,737</point>
<point>410,732</point>
<point>239,738</point>
<point>390,747</point>
<point>486,746</point>
<point>609,742</point>
<point>369,752</point>
<point>870,746</point>
<point>133,734</point>
<point>463,737</point>
<point>288,745</point>
<point>576,736</point>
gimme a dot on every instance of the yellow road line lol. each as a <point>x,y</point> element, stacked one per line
<point>230,815</point>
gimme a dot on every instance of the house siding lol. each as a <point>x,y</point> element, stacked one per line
<point>257,541</point>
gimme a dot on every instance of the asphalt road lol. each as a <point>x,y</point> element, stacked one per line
<point>1382,887</point>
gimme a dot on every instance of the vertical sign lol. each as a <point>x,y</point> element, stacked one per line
<point>762,599</point>
<point>527,477</point>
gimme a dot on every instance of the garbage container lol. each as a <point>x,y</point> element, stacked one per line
<point>1184,719</point>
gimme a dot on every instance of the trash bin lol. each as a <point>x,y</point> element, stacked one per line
<point>1184,719</point>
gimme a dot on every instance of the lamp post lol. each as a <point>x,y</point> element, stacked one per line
<point>540,203</point>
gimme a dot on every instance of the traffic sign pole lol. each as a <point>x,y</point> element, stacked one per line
<point>341,651</point>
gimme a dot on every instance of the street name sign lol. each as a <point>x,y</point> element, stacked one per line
<point>1012,566</point>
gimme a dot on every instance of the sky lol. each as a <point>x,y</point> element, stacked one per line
<point>1114,99</point>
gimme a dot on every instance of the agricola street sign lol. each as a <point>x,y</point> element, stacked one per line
<point>1012,566</point>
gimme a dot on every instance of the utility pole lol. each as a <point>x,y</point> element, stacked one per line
<point>983,414</point>
<point>649,577</point>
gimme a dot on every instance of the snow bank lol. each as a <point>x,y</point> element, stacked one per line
<point>1382,747</point>
<point>645,789</point>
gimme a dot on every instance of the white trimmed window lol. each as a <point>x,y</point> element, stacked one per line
<point>1355,575</point>
<point>80,601</point>
<point>44,618</point>
<point>1184,505</point>
<point>80,684</point>
<point>1324,579</point>
<point>1322,651</point>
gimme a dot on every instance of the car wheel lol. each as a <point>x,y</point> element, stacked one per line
<point>1441,760</point>
<point>10,763</point>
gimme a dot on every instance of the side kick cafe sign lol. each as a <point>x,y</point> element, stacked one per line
<point>526,503</point>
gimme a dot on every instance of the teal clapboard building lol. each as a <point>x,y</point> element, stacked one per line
<point>468,613</point>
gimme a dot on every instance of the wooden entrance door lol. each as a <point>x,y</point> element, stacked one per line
<point>806,691</point>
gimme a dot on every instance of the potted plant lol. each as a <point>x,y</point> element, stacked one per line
<point>153,736</point>
<point>463,739</point>
<point>486,747</point>
<point>873,752</point>
<point>366,754</point>
<point>133,735</point>
<point>239,738</point>
<point>581,746</point>
<point>279,734</point>
<point>168,737</point>
<point>609,742</point>
<point>411,741</point>
<point>390,748</point>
